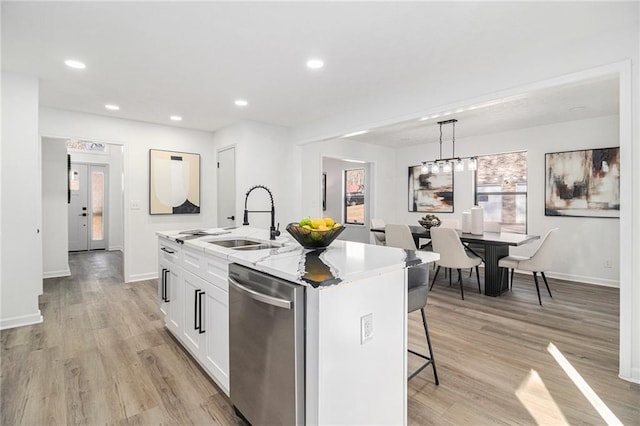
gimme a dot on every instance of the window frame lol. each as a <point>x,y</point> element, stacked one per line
<point>503,193</point>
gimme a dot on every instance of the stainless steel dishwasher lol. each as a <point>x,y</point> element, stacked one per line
<point>266,347</point>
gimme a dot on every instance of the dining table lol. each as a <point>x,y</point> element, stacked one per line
<point>496,246</point>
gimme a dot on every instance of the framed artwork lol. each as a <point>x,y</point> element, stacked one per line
<point>430,192</point>
<point>174,182</point>
<point>583,183</point>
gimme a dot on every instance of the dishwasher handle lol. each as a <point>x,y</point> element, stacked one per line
<point>260,297</point>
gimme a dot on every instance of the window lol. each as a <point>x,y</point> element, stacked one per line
<point>501,190</point>
<point>354,196</point>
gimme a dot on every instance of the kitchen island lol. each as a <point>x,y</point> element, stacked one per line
<point>355,316</point>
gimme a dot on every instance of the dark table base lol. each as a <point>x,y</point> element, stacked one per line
<point>494,284</point>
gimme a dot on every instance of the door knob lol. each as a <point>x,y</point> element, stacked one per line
<point>231,217</point>
<point>82,214</point>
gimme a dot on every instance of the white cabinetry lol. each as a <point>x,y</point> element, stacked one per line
<point>170,287</point>
<point>194,300</point>
<point>216,344</point>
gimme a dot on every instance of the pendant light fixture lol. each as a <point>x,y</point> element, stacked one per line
<point>453,163</point>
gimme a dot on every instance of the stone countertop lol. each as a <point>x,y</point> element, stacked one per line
<point>341,262</point>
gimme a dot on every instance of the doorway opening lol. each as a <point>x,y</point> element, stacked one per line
<point>82,201</point>
<point>347,196</point>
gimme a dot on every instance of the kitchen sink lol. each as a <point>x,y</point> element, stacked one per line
<point>236,243</point>
<point>262,246</point>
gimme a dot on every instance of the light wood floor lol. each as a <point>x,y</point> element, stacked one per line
<point>102,356</point>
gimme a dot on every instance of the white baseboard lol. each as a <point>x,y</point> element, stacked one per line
<point>115,248</point>
<point>56,274</point>
<point>576,278</point>
<point>141,277</point>
<point>583,279</point>
<point>21,321</point>
<point>635,376</point>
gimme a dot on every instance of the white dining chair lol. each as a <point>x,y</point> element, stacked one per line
<point>540,261</point>
<point>418,287</point>
<point>478,249</point>
<point>446,242</point>
<point>378,237</point>
<point>399,236</point>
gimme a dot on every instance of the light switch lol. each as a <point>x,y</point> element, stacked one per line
<point>135,204</point>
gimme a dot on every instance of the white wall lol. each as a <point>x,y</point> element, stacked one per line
<point>113,158</point>
<point>589,240</point>
<point>55,226</point>
<point>263,157</point>
<point>21,271</point>
<point>140,245</point>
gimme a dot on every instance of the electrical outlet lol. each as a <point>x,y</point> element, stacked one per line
<point>134,204</point>
<point>366,328</point>
<point>607,263</point>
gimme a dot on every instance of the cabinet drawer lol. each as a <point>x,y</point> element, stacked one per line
<point>216,271</point>
<point>193,261</point>
<point>168,251</point>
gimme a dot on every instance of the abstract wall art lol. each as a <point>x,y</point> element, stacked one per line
<point>174,182</point>
<point>430,192</point>
<point>584,183</point>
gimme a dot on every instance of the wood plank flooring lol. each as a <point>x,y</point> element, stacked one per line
<point>102,356</point>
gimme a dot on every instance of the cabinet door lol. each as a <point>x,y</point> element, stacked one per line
<point>174,290</point>
<point>216,343</point>
<point>193,311</point>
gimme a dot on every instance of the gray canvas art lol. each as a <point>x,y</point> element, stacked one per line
<point>583,183</point>
<point>430,192</point>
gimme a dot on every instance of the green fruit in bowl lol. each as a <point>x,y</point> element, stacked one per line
<point>305,221</point>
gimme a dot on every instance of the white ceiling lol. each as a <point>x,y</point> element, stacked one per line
<point>578,101</point>
<point>156,59</point>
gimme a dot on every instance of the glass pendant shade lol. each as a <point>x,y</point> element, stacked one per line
<point>473,164</point>
<point>447,167</point>
<point>435,168</point>
<point>459,166</point>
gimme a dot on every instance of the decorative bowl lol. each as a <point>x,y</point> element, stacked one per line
<point>313,238</point>
<point>429,223</point>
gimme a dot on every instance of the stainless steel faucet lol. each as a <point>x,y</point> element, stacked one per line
<point>273,231</point>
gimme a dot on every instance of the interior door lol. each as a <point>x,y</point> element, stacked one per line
<point>78,208</point>
<point>226,187</point>
<point>88,207</point>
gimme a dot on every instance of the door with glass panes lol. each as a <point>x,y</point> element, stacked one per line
<point>88,207</point>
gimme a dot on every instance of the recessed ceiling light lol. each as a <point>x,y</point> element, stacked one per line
<point>112,107</point>
<point>72,63</point>
<point>577,108</point>
<point>359,132</point>
<point>315,63</point>
<point>176,118</point>
<point>241,102</point>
